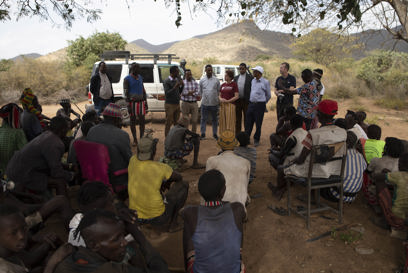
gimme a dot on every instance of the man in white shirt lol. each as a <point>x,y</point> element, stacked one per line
<point>101,88</point>
<point>209,92</point>
<point>235,169</point>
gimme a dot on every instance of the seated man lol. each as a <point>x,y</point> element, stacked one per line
<point>212,236</point>
<point>235,169</point>
<point>374,146</point>
<point>12,137</point>
<point>106,248</point>
<point>246,152</point>
<point>180,142</point>
<point>66,112</point>
<point>148,182</point>
<point>13,241</point>
<point>327,134</point>
<point>353,173</point>
<point>290,151</point>
<point>283,129</point>
<point>117,141</point>
<point>37,166</point>
<point>96,195</point>
<point>72,157</point>
<point>395,209</point>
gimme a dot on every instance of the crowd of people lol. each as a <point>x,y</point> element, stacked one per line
<point>42,158</point>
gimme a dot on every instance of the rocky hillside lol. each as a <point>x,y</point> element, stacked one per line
<point>241,41</point>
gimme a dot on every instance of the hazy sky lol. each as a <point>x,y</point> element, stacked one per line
<point>148,20</point>
<point>145,19</point>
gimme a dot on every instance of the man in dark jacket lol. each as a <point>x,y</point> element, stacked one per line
<point>101,88</point>
<point>243,81</point>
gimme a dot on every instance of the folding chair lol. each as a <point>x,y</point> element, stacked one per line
<point>321,154</point>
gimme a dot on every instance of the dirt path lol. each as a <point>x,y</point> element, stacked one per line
<point>275,243</point>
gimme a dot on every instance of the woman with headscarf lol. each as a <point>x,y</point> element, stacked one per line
<point>32,120</point>
<point>12,137</point>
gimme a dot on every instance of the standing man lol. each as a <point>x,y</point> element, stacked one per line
<point>173,86</point>
<point>135,94</point>
<point>101,88</point>
<point>260,95</point>
<point>243,81</point>
<point>284,82</point>
<point>189,98</point>
<point>209,91</point>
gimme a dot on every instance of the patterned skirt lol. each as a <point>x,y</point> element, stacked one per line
<point>227,117</point>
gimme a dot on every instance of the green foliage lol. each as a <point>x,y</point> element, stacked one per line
<point>324,47</point>
<point>86,51</point>
<point>5,64</point>
<point>392,103</point>
<point>387,72</point>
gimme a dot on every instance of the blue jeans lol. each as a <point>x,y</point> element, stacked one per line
<point>255,114</point>
<point>205,110</point>
<point>100,106</point>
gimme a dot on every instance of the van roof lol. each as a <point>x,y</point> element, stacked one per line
<point>138,61</point>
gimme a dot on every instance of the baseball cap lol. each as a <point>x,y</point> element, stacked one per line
<point>328,107</point>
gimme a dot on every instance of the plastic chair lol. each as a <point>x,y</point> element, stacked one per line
<point>320,155</point>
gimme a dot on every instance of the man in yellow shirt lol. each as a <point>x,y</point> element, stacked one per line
<point>151,192</point>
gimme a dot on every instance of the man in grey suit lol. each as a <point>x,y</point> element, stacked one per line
<point>243,81</point>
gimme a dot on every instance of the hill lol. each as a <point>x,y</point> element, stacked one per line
<point>28,56</point>
<point>152,48</point>
<point>61,54</point>
<point>378,39</point>
<point>241,41</point>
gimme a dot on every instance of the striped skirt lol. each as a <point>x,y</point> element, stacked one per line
<point>137,108</point>
<point>227,117</point>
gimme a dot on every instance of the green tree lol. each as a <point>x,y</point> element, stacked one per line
<point>86,51</point>
<point>324,47</point>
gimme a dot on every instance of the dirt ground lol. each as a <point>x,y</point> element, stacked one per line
<point>274,243</point>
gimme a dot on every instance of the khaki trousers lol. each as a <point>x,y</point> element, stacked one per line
<point>172,115</point>
<point>190,108</point>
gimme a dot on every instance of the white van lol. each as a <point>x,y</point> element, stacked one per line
<point>219,70</point>
<point>154,68</point>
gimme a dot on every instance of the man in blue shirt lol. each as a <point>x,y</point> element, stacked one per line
<point>260,95</point>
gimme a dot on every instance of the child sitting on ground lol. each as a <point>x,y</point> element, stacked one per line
<point>360,117</point>
<point>389,161</point>
<point>283,129</point>
<point>395,209</point>
<point>14,258</point>
<point>374,146</point>
<point>246,152</point>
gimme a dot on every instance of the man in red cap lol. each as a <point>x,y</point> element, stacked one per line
<point>117,141</point>
<point>328,133</point>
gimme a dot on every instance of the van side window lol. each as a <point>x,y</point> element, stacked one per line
<point>114,71</point>
<point>164,72</point>
<point>146,70</point>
